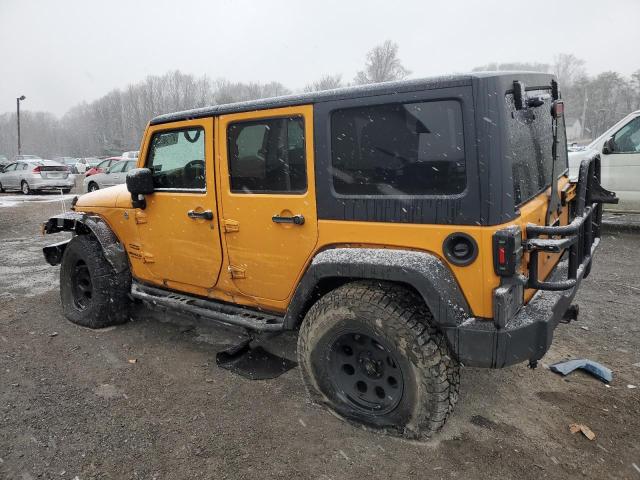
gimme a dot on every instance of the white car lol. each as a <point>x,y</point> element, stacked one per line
<point>619,149</point>
<point>114,175</point>
<point>130,155</point>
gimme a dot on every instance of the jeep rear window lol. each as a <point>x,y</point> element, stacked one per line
<point>267,156</point>
<point>399,149</point>
<point>529,139</point>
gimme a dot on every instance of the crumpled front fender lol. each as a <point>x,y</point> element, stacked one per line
<point>84,224</point>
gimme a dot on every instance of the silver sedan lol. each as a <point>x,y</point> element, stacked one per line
<point>115,175</point>
<point>30,175</point>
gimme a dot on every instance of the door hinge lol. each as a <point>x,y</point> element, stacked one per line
<point>236,272</point>
<point>141,217</point>
<point>231,226</point>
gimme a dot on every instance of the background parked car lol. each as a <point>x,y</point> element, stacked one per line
<point>130,155</point>
<point>31,175</point>
<point>619,149</point>
<point>115,175</point>
<point>102,166</point>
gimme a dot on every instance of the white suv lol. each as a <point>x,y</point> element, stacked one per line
<point>619,149</point>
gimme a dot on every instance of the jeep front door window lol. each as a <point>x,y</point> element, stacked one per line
<point>176,159</point>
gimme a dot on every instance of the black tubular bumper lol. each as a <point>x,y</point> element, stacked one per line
<point>519,333</point>
<point>526,336</point>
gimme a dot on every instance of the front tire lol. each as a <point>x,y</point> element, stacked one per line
<point>93,294</point>
<point>368,353</point>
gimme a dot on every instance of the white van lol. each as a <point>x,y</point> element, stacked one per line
<point>619,149</point>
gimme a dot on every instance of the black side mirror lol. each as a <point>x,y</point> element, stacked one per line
<point>609,146</point>
<point>139,184</point>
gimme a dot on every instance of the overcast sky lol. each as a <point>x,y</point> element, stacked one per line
<point>59,53</point>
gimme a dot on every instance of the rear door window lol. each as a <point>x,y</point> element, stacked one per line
<point>529,140</point>
<point>399,149</point>
<point>267,156</point>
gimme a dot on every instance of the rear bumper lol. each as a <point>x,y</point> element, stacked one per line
<point>51,184</point>
<point>526,336</point>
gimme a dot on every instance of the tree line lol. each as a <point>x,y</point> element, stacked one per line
<point>115,122</point>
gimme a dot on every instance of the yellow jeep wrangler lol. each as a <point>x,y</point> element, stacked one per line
<point>403,229</point>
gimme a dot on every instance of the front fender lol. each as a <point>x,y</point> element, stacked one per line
<point>423,271</point>
<point>82,224</point>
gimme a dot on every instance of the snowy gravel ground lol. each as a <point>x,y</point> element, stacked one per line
<point>145,400</point>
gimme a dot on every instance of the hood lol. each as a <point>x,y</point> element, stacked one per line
<point>111,197</point>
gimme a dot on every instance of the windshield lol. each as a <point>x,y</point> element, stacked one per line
<point>529,141</point>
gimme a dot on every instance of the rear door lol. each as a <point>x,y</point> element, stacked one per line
<point>267,188</point>
<point>179,232</point>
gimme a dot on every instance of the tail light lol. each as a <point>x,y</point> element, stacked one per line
<point>557,109</point>
<point>36,170</point>
<point>507,251</point>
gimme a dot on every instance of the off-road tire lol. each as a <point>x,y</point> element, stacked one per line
<point>24,188</point>
<point>108,303</point>
<point>398,317</point>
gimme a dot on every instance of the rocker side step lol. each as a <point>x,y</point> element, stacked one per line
<point>211,309</point>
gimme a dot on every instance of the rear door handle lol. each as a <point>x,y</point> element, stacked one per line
<point>296,219</point>
<point>207,214</point>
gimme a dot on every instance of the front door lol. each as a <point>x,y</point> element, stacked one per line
<point>268,198</point>
<point>179,233</point>
<point>621,167</point>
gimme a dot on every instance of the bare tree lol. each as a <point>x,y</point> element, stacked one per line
<point>567,68</point>
<point>383,65</point>
<point>326,82</point>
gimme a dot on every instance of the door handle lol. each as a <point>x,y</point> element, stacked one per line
<point>296,219</point>
<point>207,214</point>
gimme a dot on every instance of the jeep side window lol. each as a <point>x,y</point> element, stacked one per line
<point>176,159</point>
<point>399,149</point>
<point>267,156</point>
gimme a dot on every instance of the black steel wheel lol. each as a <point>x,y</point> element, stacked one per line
<point>93,294</point>
<point>81,285</point>
<point>366,374</point>
<point>367,352</point>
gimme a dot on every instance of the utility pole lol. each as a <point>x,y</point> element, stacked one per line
<point>22,97</point>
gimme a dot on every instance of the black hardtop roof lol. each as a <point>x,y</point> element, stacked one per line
<point>359,91</point>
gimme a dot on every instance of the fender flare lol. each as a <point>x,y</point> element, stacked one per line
<point>423,271</point>
<point>83,224</point>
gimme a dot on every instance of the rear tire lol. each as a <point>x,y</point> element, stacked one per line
<point>93,294</point>
<point>368,353</point>
<point>24,188</point>
<point>93,186</point>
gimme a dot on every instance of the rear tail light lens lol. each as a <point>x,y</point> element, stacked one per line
<point>36,170</point>
<point>507,251</point>
<point>557,110</point>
